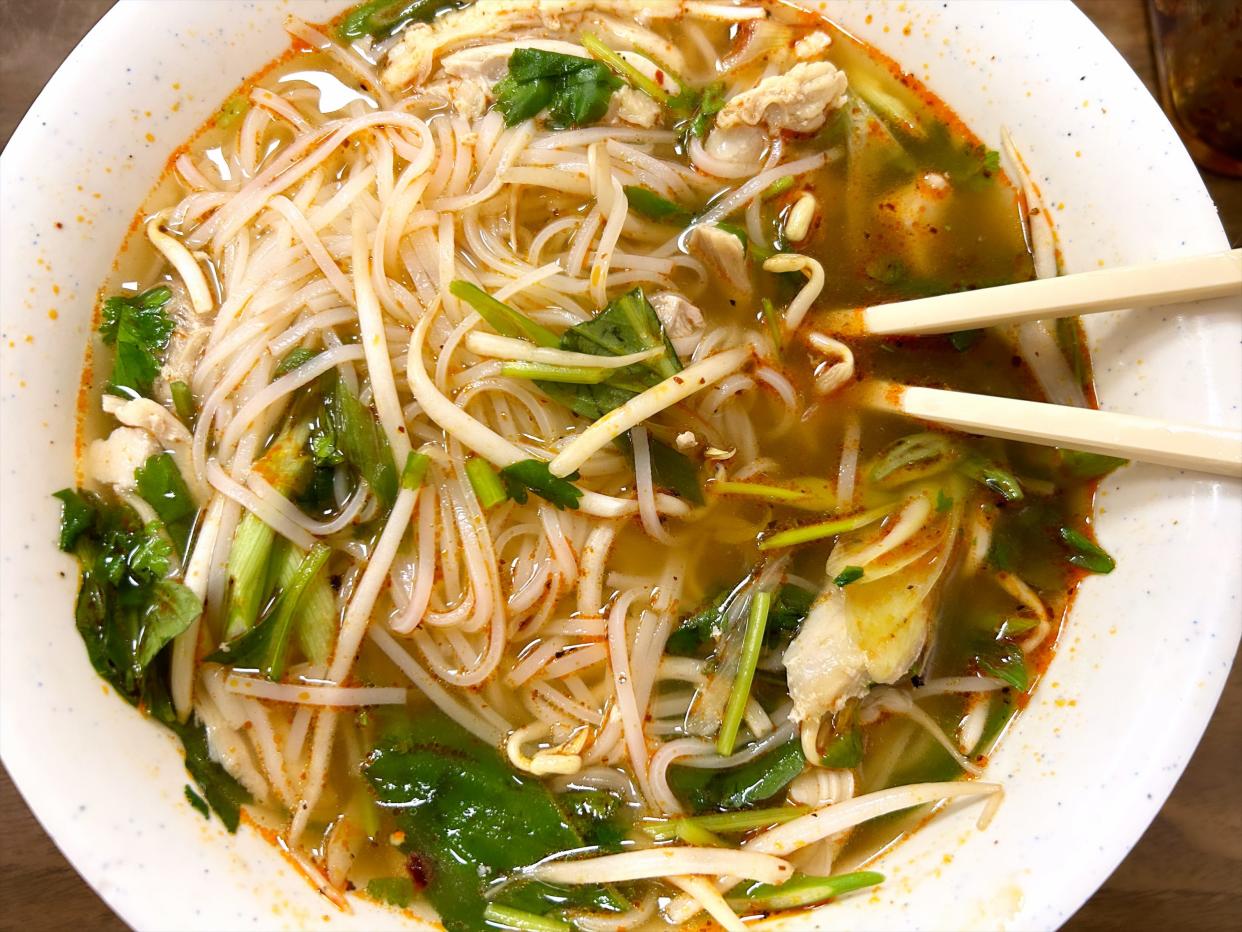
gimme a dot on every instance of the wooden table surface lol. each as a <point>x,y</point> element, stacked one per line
<point>1186,872</point>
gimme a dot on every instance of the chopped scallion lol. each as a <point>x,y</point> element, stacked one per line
<point>183,401</point>
<point>999,480</point>
<point>502,318</point>
<point>848,575</point>
<point>485,482</point>
<point>1087,555</point>
<point>810,492</point>
<point>415,470</point>
<point>777,187</point>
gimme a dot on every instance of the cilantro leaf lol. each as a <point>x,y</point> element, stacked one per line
<point>575,91</point>
<point>77,514</point>
<point>703,106</point>
<point>172,608</point>
<point>126,614</point>
<point>139,330</point>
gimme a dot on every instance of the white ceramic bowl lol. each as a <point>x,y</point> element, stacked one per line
<point>1111,726</point>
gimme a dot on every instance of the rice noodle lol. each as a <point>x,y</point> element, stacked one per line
<point>338,697</point>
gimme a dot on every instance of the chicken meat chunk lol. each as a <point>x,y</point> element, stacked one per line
<point>824,664</point>
<point>679,317</point>
<point>723,254</point>
<point>636,108</point>
<point>410,61</point>
<point>798,100</point>
<point>112,460</point>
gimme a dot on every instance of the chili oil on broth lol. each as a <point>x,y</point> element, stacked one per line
<point>873,249</point>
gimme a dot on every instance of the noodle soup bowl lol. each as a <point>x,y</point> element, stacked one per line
<point>1084,769</point>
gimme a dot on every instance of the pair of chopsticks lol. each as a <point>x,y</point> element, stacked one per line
<point>1204,449</point>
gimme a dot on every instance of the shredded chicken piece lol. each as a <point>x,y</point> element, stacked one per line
<point>636,108</point>
<point>148,415</point>
<point>469,97</point>
<point>112,460</point>
<point>686,441</point>
<point>189,336</point>
<point>745,144</point>
<point>679,317</point>
<point>812,45</point>
<point>824,663</point>
<point>723,254</point>
<point>798,100</point>
<point>165,430</point>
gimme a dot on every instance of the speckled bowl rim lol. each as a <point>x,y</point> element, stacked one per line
<point>1085,771</point>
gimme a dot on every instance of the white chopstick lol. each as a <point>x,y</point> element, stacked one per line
<point>1150,285</point>
<point>1203,449</point>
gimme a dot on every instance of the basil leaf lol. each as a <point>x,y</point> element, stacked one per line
<point>575,91</point>
<point>161,486</point>
<point>171,609</point>
<point>470,819</point>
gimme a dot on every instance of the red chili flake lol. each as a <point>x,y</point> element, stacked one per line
<point>417,870</point>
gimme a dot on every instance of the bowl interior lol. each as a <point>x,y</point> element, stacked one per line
<point>108,786</point>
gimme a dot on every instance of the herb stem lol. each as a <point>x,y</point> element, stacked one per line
<point>550,372</point>
<point>183,401</point>
<point>752,644</point>
<point>485,482</point>
<point>811,532</point>
<point>290,601</point>
<point>625,70</point>
<point>727,822</point>
<point>506,917</point>
<point>502,318</point>
<point>801,890</point>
